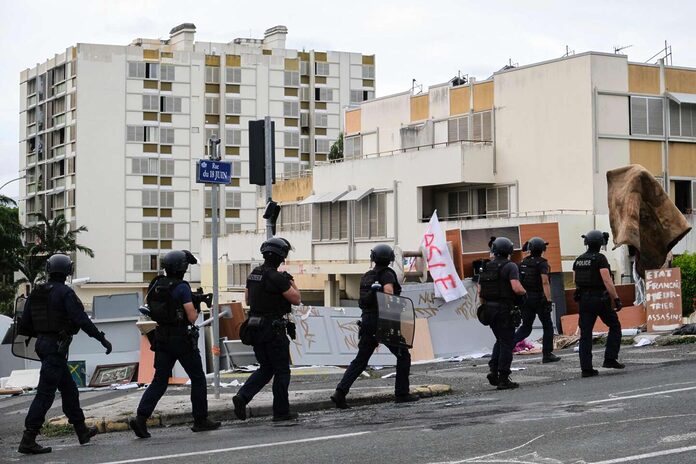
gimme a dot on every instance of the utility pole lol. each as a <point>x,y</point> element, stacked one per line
<point>214,155</point>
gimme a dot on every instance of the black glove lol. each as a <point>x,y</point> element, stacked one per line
<point>617,303</point>
<point>105,343</point>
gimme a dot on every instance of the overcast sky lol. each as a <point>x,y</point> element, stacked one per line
<point>426,40</point>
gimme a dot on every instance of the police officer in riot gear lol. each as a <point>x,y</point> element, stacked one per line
<point>500,289</point>
<point>53,313</point>
<point>172,306</point>
<point>594,293</point>
<point>380,278</point>
<point>534,276</point>
<point>269,294</point>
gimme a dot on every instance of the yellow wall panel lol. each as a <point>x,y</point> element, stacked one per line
<point>483,96</point>
<point>682,159</point>
<point>647,154</point>
<point>151,55</point>
<point>643,79</point>
<point>420,107</point>
<point>320,56</point>
<point>368,59</point>
<point>459,100</point>
<point>680,80</point>
<point>212,60</point>
<point>292,190</point>
<point>292,64</point>
<point>353,121</point>
<point>233,60</point>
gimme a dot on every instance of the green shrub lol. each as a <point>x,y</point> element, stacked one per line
<point>687,264</point>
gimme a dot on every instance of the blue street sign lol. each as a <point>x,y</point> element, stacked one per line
<point>213,172</point>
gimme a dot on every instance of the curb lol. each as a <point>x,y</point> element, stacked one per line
<point>225,413</point>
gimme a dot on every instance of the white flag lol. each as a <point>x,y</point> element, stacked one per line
<point>448,285</point>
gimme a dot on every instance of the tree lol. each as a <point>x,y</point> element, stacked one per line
<point>10,250</point>
<point>336,151</point>
<point>46,238</point>
<point>687,264</point>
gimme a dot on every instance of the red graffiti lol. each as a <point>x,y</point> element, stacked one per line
<point>444,281</point>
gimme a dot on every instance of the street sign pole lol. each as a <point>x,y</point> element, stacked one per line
<point>268,144</point>
<point>213,153</point>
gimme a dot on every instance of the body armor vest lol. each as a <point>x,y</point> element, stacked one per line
<point>264,298</point>
<point>530,273</point>
<point>587,274</point>
<point>164,309</point>
<point>48,318</point>
<point>493,286</point>
<point>368,300</point>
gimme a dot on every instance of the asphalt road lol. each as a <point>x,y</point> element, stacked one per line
<point>637,415</point>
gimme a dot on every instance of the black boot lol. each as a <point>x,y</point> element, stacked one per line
<point>506,384</point>
<point>339,399</point>
<point>589,372</point>
<point>28,444</point>
<point>239,407</point>
<point>407,398</point>
<point>205,425</point>
<point>286,417</point>
<point>493,378</point>
<point>549,358</point>
<point>139,426</point>
<point>84,433</point>
<point>613,364</point>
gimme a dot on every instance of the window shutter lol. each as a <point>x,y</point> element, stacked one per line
<point>639,116</point>
<point>655,118</point>
<point>452,135</point>
<point>487,125</point>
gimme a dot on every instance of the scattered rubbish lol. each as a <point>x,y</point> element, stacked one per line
<point>564,341</point>
<point>526,347</point>
<point>234,383</point>
<point>629,332</point>
<point>644,342</point>
<point>513,369</point>
<point>23,379</point>
<point>85,389</point>
<point>688,329</point>
<point>577,348</point>
<point>389,376</point>
<point>125,386</point>
<point>10,392</point>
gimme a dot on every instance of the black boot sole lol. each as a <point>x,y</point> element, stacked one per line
<point>42,450</point>
<point>139,432</point>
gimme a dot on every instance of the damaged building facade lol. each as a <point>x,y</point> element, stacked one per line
<point>528,147</point>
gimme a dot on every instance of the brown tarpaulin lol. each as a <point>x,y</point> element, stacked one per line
<point>642,215</point>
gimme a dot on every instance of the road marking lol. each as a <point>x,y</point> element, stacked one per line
<point>476,458</point>
<point>647,455</point>
<point>239,448</point>
<point>676,438</point>
<point>651,388</point>
<point>642,395</point>
<point>639,419</point>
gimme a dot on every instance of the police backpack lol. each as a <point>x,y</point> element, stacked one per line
<point>368,298</point>
<point>160,299</point>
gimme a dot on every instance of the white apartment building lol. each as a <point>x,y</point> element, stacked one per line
<point>530,145</point>
<point>109,137</point>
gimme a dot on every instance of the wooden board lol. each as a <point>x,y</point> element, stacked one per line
<point>230,327</point>
<point>454,236</point>
<point>630,317</point>
<point>422,344</point>
<point>549,232</point>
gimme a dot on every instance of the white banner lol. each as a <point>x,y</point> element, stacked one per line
<point>448,285</point>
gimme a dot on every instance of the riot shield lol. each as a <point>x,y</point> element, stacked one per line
<point>23,346</point>
<point>397,320</point>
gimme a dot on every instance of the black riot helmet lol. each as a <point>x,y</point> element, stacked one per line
<point>275,248</point>
<point>382,255</point>
<point>60,265</point>
<point>595,239</point>
<point>176,262</point>
<point>535,245</point>
<point>502,247</point>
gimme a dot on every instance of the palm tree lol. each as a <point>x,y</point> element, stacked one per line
<point>45,239</point>
<point>7,201</point>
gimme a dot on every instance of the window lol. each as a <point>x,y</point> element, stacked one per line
<point>368,71</point>
<point>236,168</point>
<point>357,96</point>
<point>150,198</point>
<point>31,116</point>
<point>233,106</point>
<point>144,263</point>
<point>233,137</point>
<point>458,204</point>
<point>371,216</point>
<point>682,119</point>
<point>232,227</point>
<point>304,145</point>
<point>233,75</point>
<point>208,199</point>
<point>151,103</point>
<point>291,109</point>
<point>233,199</point>
<point>166,167</point>
<point>166,199</point>
<point>352,147</point>
<point>321,120</point>
<point>136,70</point>
<point>166,231</point>
<point>304,68</point>
<point>323,94</point>
<point>59,106</point>
<point>322,145</point>
<point>292,139</point>
<point>646,116</point>
<point>237,273</point>
<point>144,165</point>
<point>292,79</point>
<point>497,201</point>
<point>482,126</point>
<point>166,135</point>
<point>141,134</point>
<point>321,68</point>
<point>151,70</point>
<point>171,104</point>
<point>212,75</point>
<point>167,72</point>
<point>212,105</point>
<point>31,87</point>
<point>291,170</point>
<point>150,230</point>
<point>295,217</point>
<point>329,221</point>
<point>304,119</point>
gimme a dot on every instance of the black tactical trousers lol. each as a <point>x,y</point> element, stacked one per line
<point>504,331</point>
<point>533,307</point>
<point>55,375</point>
<point>272,350</point>
<point>593,306</point>
<point>168,351</point>
<point>366,347</point>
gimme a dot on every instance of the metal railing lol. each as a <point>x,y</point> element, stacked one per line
<point>513,215</point>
